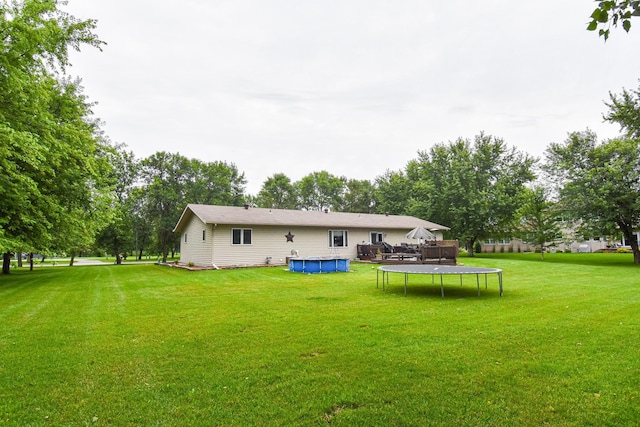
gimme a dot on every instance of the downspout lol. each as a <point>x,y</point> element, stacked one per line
<point>213,246</point>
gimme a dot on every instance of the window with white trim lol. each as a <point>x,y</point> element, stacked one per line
<point>376,237</point>
<point>338,238</point>
<point>497,242</point>
<point>241,236</point>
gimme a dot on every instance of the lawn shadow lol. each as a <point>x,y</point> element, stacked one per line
<point>451,290</point>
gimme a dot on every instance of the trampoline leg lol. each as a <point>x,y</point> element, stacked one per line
<point>406,278</point>
<point>500,282</point>
<point>478,282</point>
<point>441,287</point>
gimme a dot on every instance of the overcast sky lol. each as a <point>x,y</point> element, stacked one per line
<point>353,87</point>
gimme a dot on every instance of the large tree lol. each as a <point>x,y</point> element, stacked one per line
<point>164,176</point>
<point>473,187</point>
<point>170,181</point>
<point>143,233</point>
<point>392,193</point>
<point>214,183</point>
<point>117,236</point>
<point>277,192</point>
<point>537,218</point>
<point>359,196</point>
<point>599,183</point>
<point>321,190</point>
<point>48,172</point>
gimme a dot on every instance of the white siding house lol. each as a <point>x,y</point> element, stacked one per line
<point>229,236</point>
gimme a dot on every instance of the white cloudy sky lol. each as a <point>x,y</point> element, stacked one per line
<point>354,87</point>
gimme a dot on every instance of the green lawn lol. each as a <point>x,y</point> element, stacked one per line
<point>153,345</point>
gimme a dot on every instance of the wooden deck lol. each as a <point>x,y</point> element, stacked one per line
<point>437,254</point>
<point>443,261</point>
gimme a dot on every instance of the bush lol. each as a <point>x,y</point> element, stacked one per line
<point>623,251</point>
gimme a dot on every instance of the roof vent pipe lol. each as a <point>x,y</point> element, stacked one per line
<point>246,206</point>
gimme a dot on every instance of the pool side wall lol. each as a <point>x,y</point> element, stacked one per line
<point>313,265</point>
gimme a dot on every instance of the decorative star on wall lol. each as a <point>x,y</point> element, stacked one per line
<point>289,237</point>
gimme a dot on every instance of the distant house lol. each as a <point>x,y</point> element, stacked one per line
<point>229,236</point>
<point>568,240</point>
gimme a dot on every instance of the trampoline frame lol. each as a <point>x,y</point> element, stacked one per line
<point>434,270</point>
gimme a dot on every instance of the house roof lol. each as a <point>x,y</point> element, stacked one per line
<point>238,215</point>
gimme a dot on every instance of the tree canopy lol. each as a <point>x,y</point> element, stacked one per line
<point>392,193</point>
<point>599,183</point>
<point>624,109</point>
<point>474,187</point>
<point>537,218</point>
<point>169,181</point>
<point>278,192</point>
<point>611,13</point>
<point>320,190</point>
<point>359,196</point>
<point>50,163</point>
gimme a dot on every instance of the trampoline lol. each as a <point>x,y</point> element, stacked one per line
<point>437,270</point>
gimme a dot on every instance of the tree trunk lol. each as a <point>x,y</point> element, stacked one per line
<point>633,242</point>
<point>140,255</point>
<point>30,261</point>
<point>6,263</point>
<point>19,257</point>
<point>636,250</point>
<point>73,256</point>
<point>118,259</point>
<point>470,244</point>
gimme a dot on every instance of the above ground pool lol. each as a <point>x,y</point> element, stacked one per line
<point>319,264</point>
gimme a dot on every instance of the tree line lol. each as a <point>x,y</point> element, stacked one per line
<point>66,188</point>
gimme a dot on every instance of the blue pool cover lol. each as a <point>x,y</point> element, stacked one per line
<point>313,265</point>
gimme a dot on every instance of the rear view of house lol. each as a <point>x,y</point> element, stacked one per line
<point>230,236</point>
